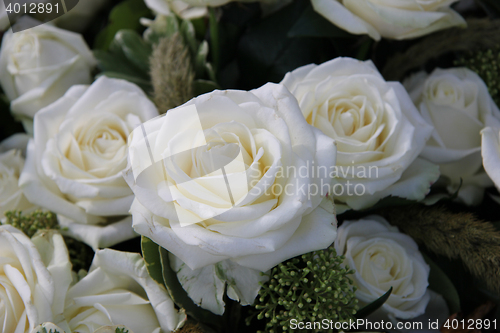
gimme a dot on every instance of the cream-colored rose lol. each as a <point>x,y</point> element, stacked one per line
<point>490,150</point>
<point>190,9</point>
<point>34,278</point>
<point>181,8</point>
<point>378,130</point>
<point>75,161</point>
<point>382,258</point>
<point>38,65</point>
<point>11,165</point>
<point>401,19</point>
<point>456,101</point>
<point>119,291</point>
<point>229,176</point>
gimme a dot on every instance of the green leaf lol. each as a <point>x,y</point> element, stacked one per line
<point>135,49</point>
<point>492,7</point>
<point>266,53</point>
<point>187,31</point>
<point>180,296</point>
<point>117,62</point>
<point>440,283</point>
<point>373,306</point>
<point>201,87</point>
<point>151,255</point>
<point>201,59</point>
<point>125,15</point>
<point>312,24</point>
<point>214,38</point>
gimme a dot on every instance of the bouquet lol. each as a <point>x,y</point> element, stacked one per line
<point>202,166</point>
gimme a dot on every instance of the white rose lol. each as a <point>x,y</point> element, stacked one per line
<point>378,130</point>
<point>400,19</point>
<point>190,9</point>
<point>38,65</point>
<point>269,213</point>
<point>383,258</point>
<point>456,101</point>
<point>11,165</point>
<point>35,276</point>
<point>119,291</point>
<point>490,150</point>
<point>80,17</point>
<point>181,8</point>
<point>75,162</point>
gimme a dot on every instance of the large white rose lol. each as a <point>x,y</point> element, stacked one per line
<point>119,291</point>
<point>229,176</point>
<point>11,165</point>
<point>75,162</point>
<point>38,65</point>
<point>378,130</point>
<point>400,19</point>
<point>382,258</point>
<point>34,278</point>
<point>490,150</point>
<point>456,101</point>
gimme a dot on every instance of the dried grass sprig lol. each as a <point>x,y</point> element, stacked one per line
<point>480,34</point>
<point>455,235</point>
<point>172,73</point>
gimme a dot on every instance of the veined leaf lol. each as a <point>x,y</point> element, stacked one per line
<point>151,255</point>
<point>180,296</point>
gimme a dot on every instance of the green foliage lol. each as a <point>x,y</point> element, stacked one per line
<point>492,7</point>
<point>374,306</point>
<point>80,254</point>
<point>151,255</point>
<point>32,222</point>
<point>285,40</point>
<point>125,15</point>
<point>127,58</point>
<point>158,266</point>
<point>312,24</point>
<point>310,287</point>
<point>121,330</point>
<point>8,125</point>
<point>441,283</point>
<point>486,64</point>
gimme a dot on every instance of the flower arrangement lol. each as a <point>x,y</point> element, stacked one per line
<point>201,166</point>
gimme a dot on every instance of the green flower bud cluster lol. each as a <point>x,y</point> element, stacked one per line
<point>32,222</point>
<point>311,287</point>
<point>486,64</point>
